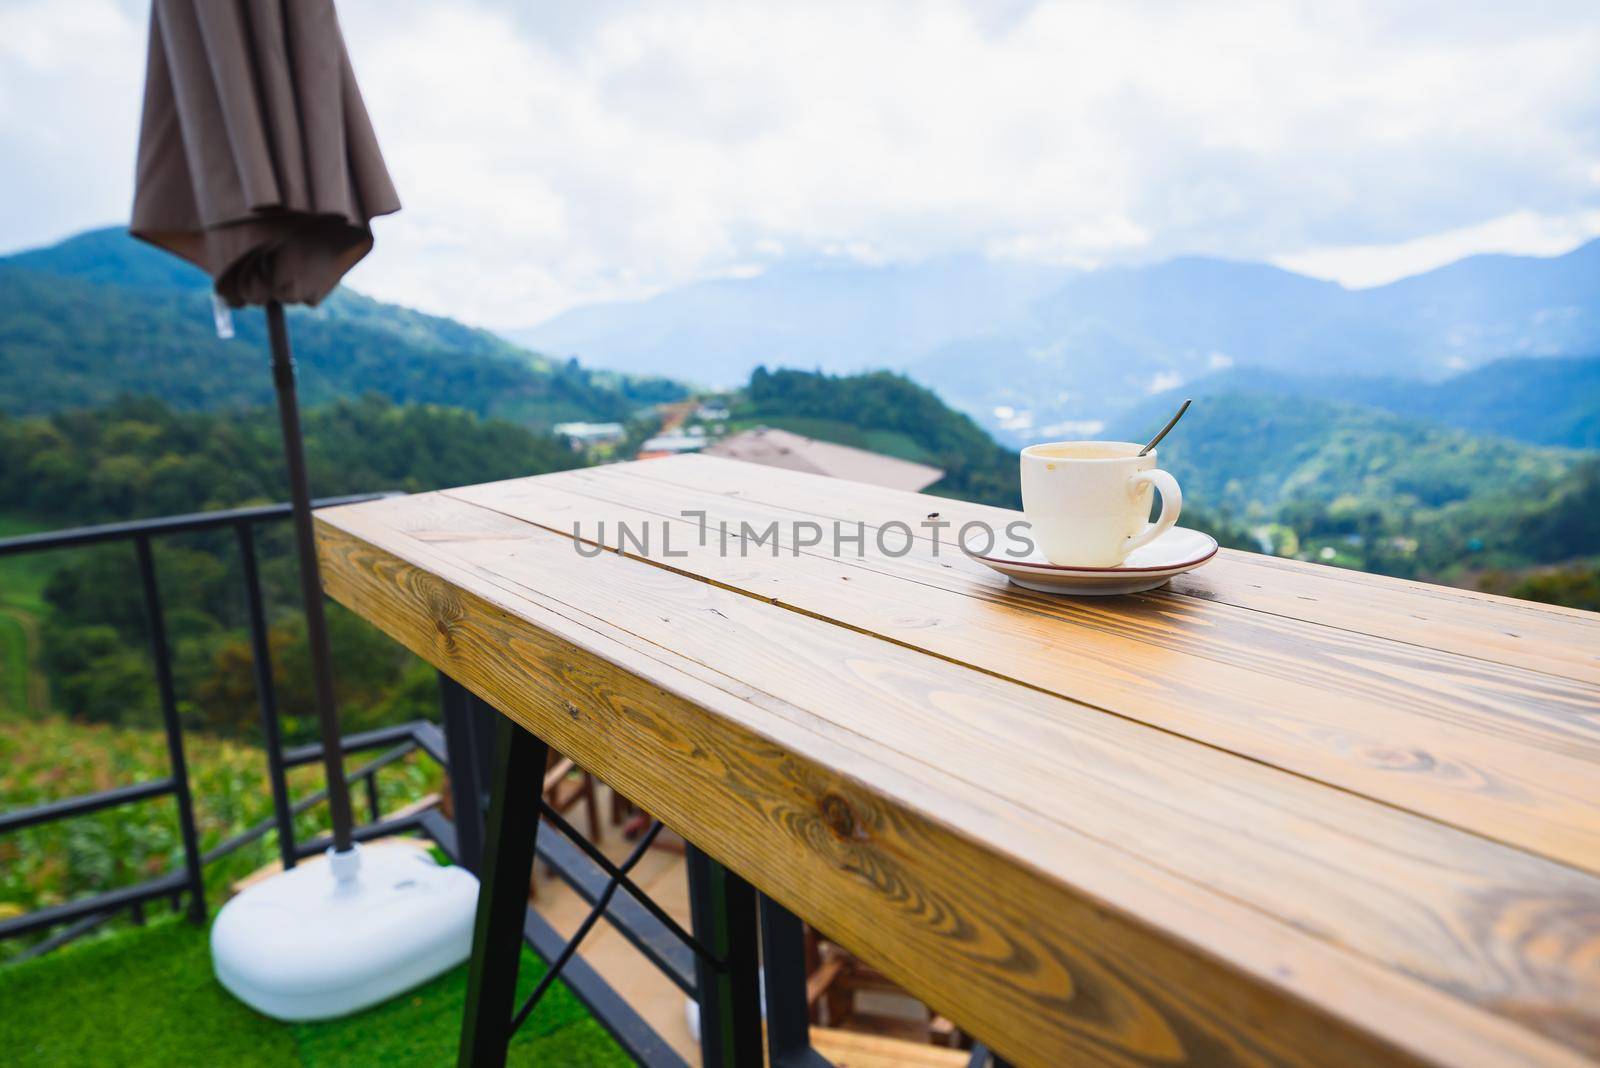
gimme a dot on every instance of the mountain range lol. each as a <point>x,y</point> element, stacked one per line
<point>824,314</point>
<point>1039,352</point>
<point>101,314</point>
<point>1411,471</point>
<point>1550,400</point>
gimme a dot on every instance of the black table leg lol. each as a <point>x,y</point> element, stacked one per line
<point>502,896</point>
<point>982,1058</point>
<point>783,962</point>
<point>466,794</point>
<point>723,907</point>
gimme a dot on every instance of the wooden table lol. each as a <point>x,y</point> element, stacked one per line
<point>1273,813</point>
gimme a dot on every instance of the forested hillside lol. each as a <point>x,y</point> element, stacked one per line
<point>1365,488</point>
<point>889,413</point>
<point>102,315</point>
<point>1252,453</point>
<point>1540,400</point>
<point>139,457</point>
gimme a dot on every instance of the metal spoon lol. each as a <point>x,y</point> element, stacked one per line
<point>1170,424</point>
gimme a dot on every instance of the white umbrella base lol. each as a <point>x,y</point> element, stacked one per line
<point>327,940</point>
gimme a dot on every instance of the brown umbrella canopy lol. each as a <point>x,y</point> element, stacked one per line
<point>257,161</point>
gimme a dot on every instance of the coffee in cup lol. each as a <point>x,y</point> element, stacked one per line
<point>1088,501</point>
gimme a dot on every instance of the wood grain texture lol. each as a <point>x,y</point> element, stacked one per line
<point>1559,641</point>
<point>1512,701</point>
<point>1500,751</point>
<point>1110,860</point>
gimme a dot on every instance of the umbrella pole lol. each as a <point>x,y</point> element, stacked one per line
<point>310,578</point>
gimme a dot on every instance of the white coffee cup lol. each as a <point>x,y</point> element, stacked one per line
<point>1088,501</point>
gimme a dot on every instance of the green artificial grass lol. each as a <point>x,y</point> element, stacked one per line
<point>146,997</point>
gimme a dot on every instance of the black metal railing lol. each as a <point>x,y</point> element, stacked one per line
<point>577,861</point>
<point>720,975</point>
<point>84,914</point>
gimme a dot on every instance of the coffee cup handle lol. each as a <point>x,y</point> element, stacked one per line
<point>1171,505</point>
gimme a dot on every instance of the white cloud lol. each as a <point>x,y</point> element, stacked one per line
<point>1081,429</point>
<point>1162,381</point>
<point>70,91</point>
<point>554,154</point>
<point>1521,232</point>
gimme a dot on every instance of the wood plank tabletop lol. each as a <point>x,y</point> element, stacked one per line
<point>1271,813</point>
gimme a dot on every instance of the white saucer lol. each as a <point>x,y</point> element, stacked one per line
<point>1178,550</point>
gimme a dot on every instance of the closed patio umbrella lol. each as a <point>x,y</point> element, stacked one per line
<point>257,162</point>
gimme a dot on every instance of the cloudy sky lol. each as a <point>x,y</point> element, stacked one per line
<point>552,154</point>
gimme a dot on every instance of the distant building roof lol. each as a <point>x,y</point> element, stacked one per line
<point>589,431</point>
<point>670,443</point>
<point>780,448</point>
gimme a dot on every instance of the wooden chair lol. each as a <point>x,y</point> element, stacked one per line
<point>635,821</point>
<point>566,786</point>
<point>835,981</point>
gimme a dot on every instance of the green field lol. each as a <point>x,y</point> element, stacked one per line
<point>23,690</point>
<point>54,758</point>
